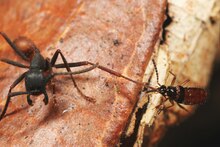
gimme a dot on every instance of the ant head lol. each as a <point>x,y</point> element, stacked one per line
<point>162,89</point>
<point>26,46</point>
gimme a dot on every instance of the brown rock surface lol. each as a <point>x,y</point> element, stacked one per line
<point>119,35</point>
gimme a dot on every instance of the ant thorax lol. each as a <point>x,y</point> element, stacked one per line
<point>38,62</point>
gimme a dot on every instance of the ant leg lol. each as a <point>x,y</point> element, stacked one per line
<point>13,46</point>
<point>71,73</point>
<point>29,100</point>
<point>46,99</point>
<point>14,63</point>
<point>12,94</point>
<point>83,63</point>
<point>74,73</point>
<point>53,60</point>
<point>49,68</point>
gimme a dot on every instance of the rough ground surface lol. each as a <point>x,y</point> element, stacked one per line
<point>117,34</point>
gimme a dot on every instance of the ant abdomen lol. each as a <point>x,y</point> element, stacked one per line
<point>194,96</point>
<point>26,46</point>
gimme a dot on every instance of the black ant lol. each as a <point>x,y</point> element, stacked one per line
<point>40,70</point>
<point>179,94</point>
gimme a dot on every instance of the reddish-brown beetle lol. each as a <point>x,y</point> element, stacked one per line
<point>179,94</point>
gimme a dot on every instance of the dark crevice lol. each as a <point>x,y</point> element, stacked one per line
<point>166,23</point>
<point>128,141</point>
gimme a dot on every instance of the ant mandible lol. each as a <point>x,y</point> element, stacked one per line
<point>40,70</point>
<point>178,94</point>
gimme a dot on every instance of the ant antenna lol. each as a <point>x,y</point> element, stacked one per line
<point>155,67</point>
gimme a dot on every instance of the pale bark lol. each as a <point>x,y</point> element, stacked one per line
<point>190,46</point>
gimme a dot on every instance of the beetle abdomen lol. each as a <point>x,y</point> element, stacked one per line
<point>194,96</point>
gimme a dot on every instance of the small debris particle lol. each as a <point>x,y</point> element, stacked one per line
<point>61,40</point>
<point>116,42</point>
